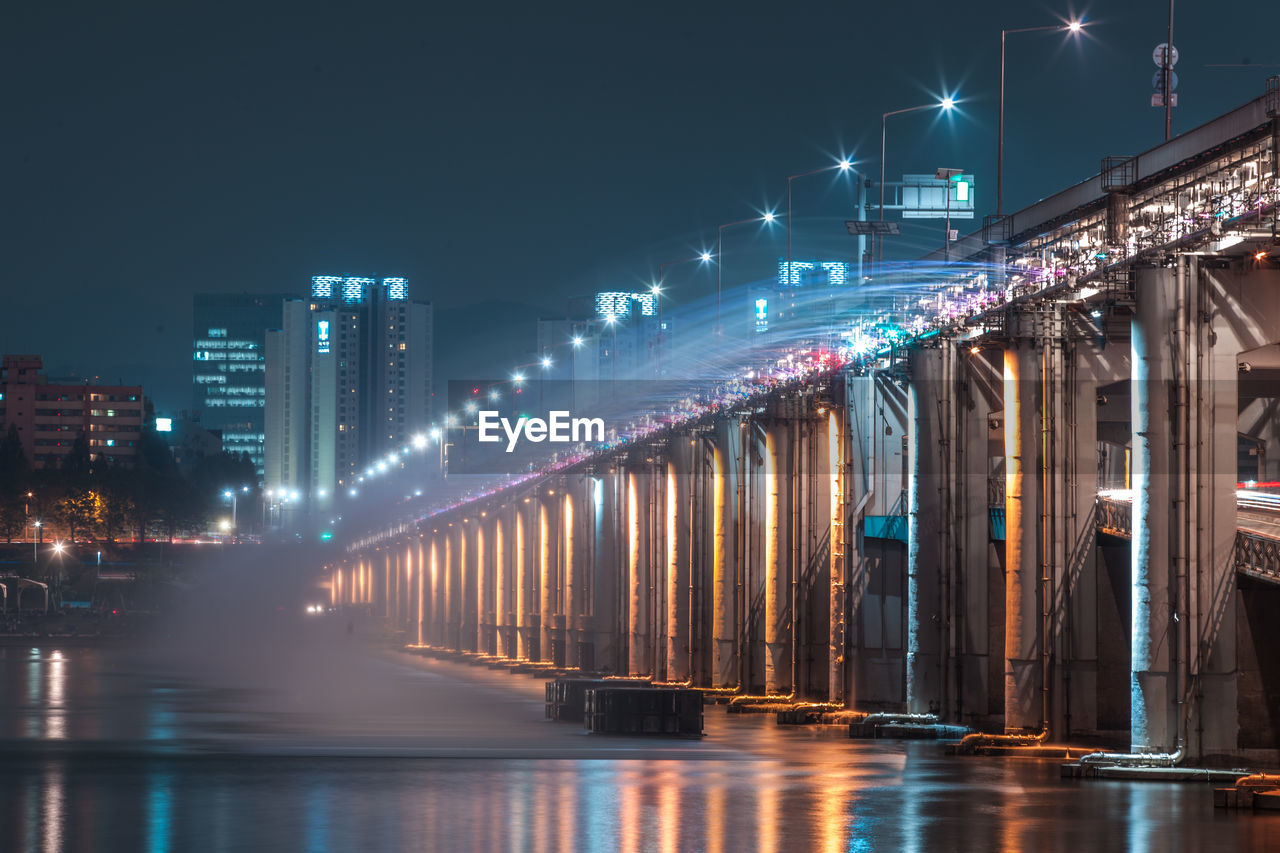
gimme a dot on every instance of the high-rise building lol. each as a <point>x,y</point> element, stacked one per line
<point>50,417</point>
<point>348,379</point>
<point>228,349</point>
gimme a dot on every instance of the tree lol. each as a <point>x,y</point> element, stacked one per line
<point>80,510</point>
<point>117,506</point>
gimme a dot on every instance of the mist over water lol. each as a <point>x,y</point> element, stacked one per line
<point>245,722</point>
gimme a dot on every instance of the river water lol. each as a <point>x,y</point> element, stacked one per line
<point>323,745</point>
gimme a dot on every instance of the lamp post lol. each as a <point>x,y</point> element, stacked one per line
<point>575,343</point>
<point>231,494</point>
<point>35,547</point>
<point>767,218</point>
<point>1073,27</point>
<point>656,289</point>
<point>945,104</point>
<point>844,165</point>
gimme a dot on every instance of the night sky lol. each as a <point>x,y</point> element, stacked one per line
<point>508,159</point>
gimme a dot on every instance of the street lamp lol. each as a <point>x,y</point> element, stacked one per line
<point>576,342</point>
<point>844,165</point>
<point>231,495</point>
<point>767,218</point>
<point>945,104</point>
<point>704,258</point>
<point>35,546</point>
<point>1073,27</point>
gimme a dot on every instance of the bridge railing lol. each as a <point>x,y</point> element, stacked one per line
<point>1257,555</point>
<point>1115,517</point>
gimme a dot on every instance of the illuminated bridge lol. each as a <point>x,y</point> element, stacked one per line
<point>916,525</point>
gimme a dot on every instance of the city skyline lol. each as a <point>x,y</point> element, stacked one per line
<point>448,225</point>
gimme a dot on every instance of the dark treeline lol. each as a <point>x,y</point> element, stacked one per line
<point>87,499</point>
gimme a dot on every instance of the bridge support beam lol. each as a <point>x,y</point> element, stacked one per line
<point>503,584</point>
<point>639,575</point>
<point>549,638</point>
<point>1023,677</point>
<point>728,493</point>
<point>778,464</point>
<point>526,560</point>
<point>574,515</point>
<point>929,445</point>
<point>486,586</point>
<point>608,569</point>
<point>679,517</point>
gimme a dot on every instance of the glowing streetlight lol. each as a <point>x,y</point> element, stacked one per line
<point>766,218</point>
<point>419,441</point>
<point>844,164</point>
<point>517,378</point>
<point>1074,27</point>
<point>231,495</point>
<point>546,362</point>
<point>945,104</point>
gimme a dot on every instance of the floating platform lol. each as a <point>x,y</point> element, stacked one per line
<point>567,697</point>
<point>644,711</point>
<point>1078,770</point>
<point>872,727</point>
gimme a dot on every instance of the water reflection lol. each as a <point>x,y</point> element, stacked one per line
<point>760,787</point>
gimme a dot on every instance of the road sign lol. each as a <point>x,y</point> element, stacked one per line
<point>925,196</point>
<point>1157,80</point>
<point>1157,55</point>
<point>1157,99</point>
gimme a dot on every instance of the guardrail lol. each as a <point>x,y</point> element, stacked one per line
<point>1115,517</point>
<point>1257,556</point>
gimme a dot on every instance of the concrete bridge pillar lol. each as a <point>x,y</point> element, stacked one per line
<point>679,517</point>
<point>1153,687</point>
<point>929,520</point>
<point>550,637</point>
<point>779,462</point>
<point>526,557</point>
<point>469,621</point>
<point>453,584</point>
<point>575,514</point>
<point>607,567</point>
<point>1023,681</point>
<point>727,494</point>
<point>486,587</point>
<point>639,575</point>
<point>504,607</point>
<point>432,591</point>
